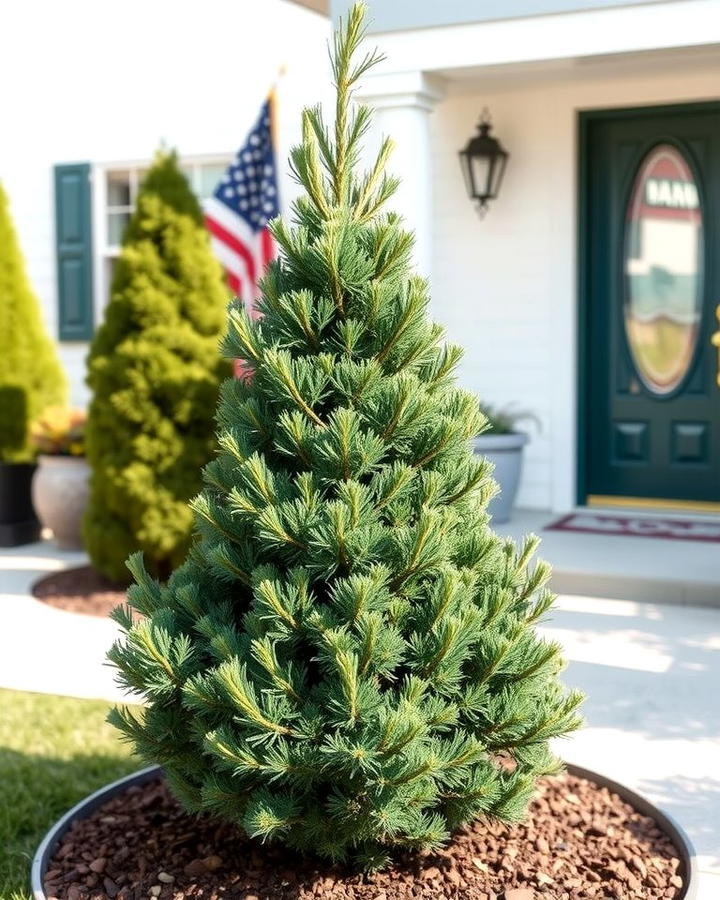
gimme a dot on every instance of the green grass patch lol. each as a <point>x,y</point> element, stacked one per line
<point>53,751</point>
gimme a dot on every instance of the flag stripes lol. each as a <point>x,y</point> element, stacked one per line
<point>241,206</point>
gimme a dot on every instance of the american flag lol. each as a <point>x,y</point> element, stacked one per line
<point>238,212</point>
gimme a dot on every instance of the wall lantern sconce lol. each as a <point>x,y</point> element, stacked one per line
<point>483,164</point>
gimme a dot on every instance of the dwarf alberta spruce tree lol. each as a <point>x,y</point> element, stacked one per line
<point>31,377</point>
<point>347,661</point>
<point>155,370</point>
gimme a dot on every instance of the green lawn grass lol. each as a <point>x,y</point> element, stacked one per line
<point>53,751</point>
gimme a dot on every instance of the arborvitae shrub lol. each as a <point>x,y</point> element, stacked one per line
<point>29,368</point>
<point>154,369</point>
<point>347,662</point>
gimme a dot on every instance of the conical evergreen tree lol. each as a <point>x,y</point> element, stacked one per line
<point>155,370</point>
<point>347,662</point>
<point>30,371</point>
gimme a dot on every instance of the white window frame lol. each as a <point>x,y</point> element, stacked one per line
<point>102,249</point>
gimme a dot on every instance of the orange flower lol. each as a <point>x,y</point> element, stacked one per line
<point>59,431</point>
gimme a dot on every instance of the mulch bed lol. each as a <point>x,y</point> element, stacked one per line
<point>80,590</point>
<point>580,841</point>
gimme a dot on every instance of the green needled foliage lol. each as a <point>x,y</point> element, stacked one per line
<point>155,370</point>
<point>347,661</point>
<point>31,377</point>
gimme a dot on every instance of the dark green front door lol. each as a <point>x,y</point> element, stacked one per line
<point>649,286</point>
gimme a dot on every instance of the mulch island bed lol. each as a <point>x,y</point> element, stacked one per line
<point>580,841</point>
<point>80,590</point>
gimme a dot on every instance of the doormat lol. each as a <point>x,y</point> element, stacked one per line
<point>638,526</point>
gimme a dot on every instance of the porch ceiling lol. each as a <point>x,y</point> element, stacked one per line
<point>609,65</point>
<point>552,42</point>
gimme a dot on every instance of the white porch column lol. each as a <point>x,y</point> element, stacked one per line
<point>403,102</point>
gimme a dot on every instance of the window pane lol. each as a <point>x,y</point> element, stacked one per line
<point>116,227</point>
<point>118,188</point>
<point>210,177</point>
<point>663,268</point>
<point>110,263</point>
<point>139,177</point>
<point>189,174</point>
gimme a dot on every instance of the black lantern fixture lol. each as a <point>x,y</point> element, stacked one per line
<point>483,163</point>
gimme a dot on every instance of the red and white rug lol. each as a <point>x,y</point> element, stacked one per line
<point>587,522</point>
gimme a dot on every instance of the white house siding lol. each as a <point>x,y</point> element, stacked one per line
<point>505,286</point>
<point>107,82</point>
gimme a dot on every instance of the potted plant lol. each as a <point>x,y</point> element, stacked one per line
<point>18,522</point>
<point>346,668</point>
<point>502,444</point>
<point>60,482</point>
<point>31,378</point>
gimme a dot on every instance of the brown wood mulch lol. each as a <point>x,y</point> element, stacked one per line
<point>579,841</point>
<point>80,590</point>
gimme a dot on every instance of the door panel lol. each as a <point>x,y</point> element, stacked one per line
<point>650,416</point>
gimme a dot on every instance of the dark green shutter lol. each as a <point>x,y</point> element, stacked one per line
<point>73,236</point>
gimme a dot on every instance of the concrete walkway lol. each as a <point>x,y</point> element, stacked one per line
<point>651,673</point>
<point>625,567</point>
<point>45,649</point>
<point>652,677</point>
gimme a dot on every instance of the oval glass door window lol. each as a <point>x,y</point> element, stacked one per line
<point>663,269</point>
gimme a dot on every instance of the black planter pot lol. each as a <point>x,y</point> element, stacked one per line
<point>86,807</point>
<point>18,522</point>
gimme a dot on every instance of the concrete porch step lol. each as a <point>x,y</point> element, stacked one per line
<point>626,567</point>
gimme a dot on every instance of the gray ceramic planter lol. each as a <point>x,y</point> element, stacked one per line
<point>60,489</point>
<point>86,807</point>
<point>505,452</point>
